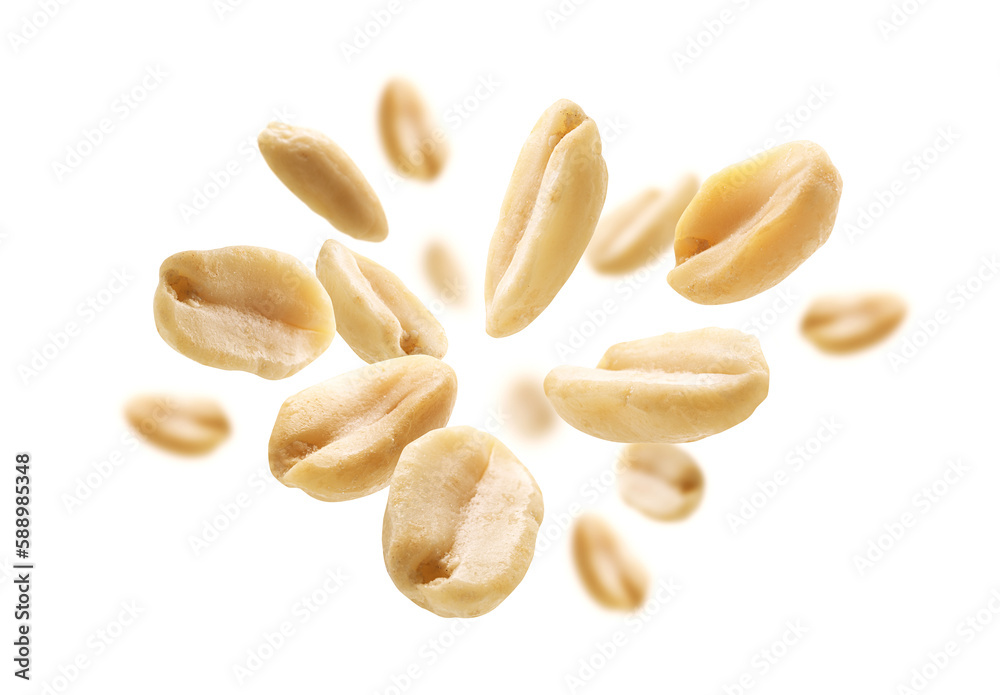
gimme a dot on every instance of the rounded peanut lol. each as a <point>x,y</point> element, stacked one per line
<point>848,323</point>
<point>660,480</point>
<point>183,425</point>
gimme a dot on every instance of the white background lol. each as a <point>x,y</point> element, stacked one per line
<point>887,95</point>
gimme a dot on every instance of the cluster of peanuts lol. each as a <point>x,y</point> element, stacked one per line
<point>463,512</point>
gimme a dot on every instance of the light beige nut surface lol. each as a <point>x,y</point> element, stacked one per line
<point>245,308</point>
<point>183,425</point>
<point>460,523</point>
<point>640,229</point>
<point>676,387</point>
<point>548,216</point>
<point>376,315</point>
<point>445,273</point>
<point>609,571</point>
<point>340,439</point>
<point>413,140</point>
<point>524,407</point>
<point>320,173</point>
<point>660,480</point>
<point>753,223</point>
<point>843,324</point>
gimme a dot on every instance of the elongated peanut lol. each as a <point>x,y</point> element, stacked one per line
<point>609,571</point>
<point>413,141</point>
<point>320,173</point>
<point>637,232</point>
<point>245,308</point>
<point>844,324</point>
<point>548,216</point>
<point>445,273</point>
<point>753,223</point>
<point>340,439</point>
<point>677,387</point>
<point>460,522</point>
<point>660,480</point>
<point>183,425</point>
<point>528,411</point>
<point>377,316</point>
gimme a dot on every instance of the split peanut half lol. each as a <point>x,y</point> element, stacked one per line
<point>460,523</point>
<point>340,439</point>
<point>753,223</point>
<point>609,571</point>
<point>524,407</point>
<point>245,308</point>
<point>445,273</point>
<point>844,324</point>
<point>660,480</point>
<point>183,425</point>
<point>547,218</point>
<point>320,173</point>
<point>413,141</point>
<point>638,231</point>
<point>376,314</point>
<point>677,387</point>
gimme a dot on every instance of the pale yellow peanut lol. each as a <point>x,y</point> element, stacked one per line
<point>640,229</point>
<point>460,522</point>
<point>609,571</point>
<point>320,173</point>
<point>524,407</point>
<point>377,315</point>
<point>181,424</point>
<point>753,223</point>
<point>660,480</point>
<point>414,142</point>
<point>676,387</point>
<point>847,323</point>
<point>340,439</point>
<point>445,272</point>
<point>547,218</point>
<point>245,308</point>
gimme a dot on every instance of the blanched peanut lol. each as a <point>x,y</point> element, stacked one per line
<point>245,308</point>
<point>376,314</point>
<point>548,216</point>
<point>608,569</point>
<point>677,387</point>
<point>527,410</point>
<point>413,141</point>
<point>320,173</point>
<point>460,523</point>
<point>753,223</point>
<point>660,480</point>
<point>843,324</point>
<point>183,425</point>
<point>340,439</point>
<point>637,232</point>
<point>445,273</point>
